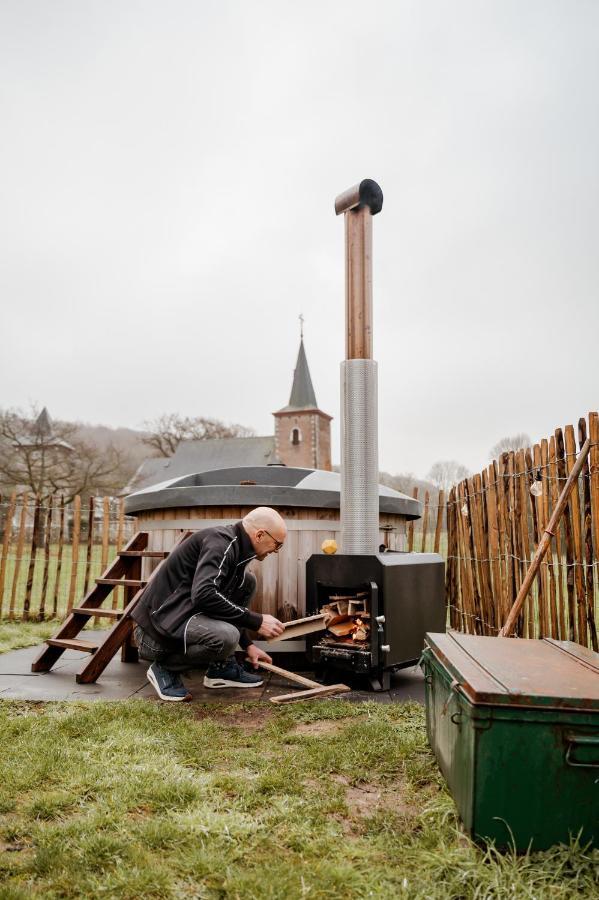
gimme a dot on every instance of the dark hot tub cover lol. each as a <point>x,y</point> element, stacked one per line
<point>268,486</point>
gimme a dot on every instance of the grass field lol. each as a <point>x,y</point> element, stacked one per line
<point>14,635</point>
<point>319,800</point>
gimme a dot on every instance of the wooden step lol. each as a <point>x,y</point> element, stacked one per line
<point>151,554</point>
<point>73,644</point>
<point>97,611</point>
<point>122,582</point>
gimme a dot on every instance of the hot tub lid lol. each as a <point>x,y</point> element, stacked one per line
<point>260,486</point>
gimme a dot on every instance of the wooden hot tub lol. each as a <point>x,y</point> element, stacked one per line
<point>307,499</point>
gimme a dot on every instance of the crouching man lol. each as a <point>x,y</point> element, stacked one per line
<point>195,611</point>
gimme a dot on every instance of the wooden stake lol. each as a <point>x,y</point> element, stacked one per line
<point>74,551</point>
<point>574,510</point>
<point>440,507</point>
<point>522,527</point>
<point>548,563</point>
<point>6,539</point>
<point>32,559</point>
<point>411,525</point>
<point>569,545</point>
<point>543,604</point>
<point>47,534</point>
<point>20,551</point>
<point>541,550</point>
<point>425,521</point>
<point>492,543</point>
<point>554,490</point>
<point>588,541</point>
<point>90,543</point>
<point>58,560</point>
<point>119,543</point>
<point>452,597</point>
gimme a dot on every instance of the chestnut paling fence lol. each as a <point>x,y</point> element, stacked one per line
<point>495,521</point>
<point>51,552</point>
<point>487,528</point>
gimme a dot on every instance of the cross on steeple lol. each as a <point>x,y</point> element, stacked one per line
<point>301,318</point>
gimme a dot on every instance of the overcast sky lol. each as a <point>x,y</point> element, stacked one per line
<point>168,171</point>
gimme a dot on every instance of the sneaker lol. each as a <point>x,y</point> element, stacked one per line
<point>230,674</point>
<point>167,684</point>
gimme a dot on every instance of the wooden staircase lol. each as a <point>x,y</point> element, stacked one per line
<point>124,571</point>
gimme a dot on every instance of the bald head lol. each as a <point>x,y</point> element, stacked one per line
<point>266,530</point>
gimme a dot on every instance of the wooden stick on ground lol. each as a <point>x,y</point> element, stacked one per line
<point>314,689</point>
<point>545,541</point>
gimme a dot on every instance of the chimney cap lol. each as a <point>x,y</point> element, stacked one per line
<point>366,193</point>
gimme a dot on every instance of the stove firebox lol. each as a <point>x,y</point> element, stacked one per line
<point>396,596</point>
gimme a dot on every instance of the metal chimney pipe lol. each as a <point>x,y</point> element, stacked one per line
<point>359,400</point>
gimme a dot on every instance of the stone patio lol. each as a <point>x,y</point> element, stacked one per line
<point>123,681</point>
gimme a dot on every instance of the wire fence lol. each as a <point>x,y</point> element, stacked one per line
<point>52,551</point>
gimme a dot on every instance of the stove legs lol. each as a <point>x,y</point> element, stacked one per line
<point>382,682</point>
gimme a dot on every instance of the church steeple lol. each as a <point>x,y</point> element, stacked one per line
<point>302,430</point>
<point>302,390</point>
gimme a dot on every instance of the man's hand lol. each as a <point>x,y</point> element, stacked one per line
<point>255,653</point>
<point>270,627</point>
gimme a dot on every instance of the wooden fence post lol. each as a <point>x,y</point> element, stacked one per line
<point>439,526</point>
<point>47,537</point>
<point>573,510</point>
<point>32,558</point>
<point>58,560</point>
<point>411,525</point>
<point>20,551</point>
<point>74,550</point>
<point>6,539</point>
<point>588,540</point>
<point>116,594</point>
<point>90,544</point>
<point>425,521</point>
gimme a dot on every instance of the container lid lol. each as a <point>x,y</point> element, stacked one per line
<point>519,672</point>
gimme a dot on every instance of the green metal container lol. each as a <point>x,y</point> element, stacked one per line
<point>514,725</point>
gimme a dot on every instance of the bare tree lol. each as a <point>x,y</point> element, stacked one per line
<point>47,457</point>
<point>517,442</point>
<point>166,432</point>
<point>447,472</point>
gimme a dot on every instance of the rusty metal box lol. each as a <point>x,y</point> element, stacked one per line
<point>514,725</point>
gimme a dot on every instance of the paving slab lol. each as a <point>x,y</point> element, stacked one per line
<point>122,681</point>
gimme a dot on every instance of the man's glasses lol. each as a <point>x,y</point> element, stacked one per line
<point>278,544</point>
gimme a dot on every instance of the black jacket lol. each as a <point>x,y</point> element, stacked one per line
<point>201,575</point>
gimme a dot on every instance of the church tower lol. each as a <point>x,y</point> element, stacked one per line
<point>302,430</point>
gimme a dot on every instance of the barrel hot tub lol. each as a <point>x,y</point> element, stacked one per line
<point>307,499</point>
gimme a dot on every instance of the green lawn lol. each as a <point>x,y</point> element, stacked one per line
<point>321,800</point>
<point>14,635</point>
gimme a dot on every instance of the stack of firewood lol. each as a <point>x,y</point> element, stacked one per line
<point>347,617</point>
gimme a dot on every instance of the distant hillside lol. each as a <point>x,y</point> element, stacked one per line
<point>127,440</point>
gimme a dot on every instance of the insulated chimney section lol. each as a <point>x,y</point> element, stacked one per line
<point>359,420</point>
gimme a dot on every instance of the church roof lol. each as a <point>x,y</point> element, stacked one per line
<point>43,423</point>
<point>42,435</point>
<point>302,390</point>
<point>204,456</point>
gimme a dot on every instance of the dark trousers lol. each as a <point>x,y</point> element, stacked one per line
<point>206,640</point>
